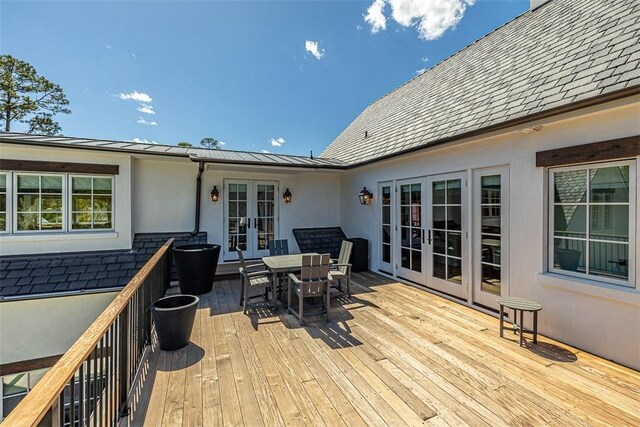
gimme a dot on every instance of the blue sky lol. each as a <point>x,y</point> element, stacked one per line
<point>236,71</point>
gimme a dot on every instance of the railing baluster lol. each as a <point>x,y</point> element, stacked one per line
<point>72,401</point>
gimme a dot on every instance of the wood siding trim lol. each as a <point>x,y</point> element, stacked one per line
<point>29,365</point>
<point>58,167</point>
<point>597,151</point>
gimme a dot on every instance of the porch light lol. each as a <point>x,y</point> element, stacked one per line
<point>214,194</point>
<point>286,196</point>
<point>365,196</point>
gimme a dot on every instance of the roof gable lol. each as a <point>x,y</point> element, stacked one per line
<point>561,53</point>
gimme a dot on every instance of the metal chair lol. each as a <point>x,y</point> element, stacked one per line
<point>250,280</point>
<point>341,268</point>
<point>314,281</point>
<point>278,247</point>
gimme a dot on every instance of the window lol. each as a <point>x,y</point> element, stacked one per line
<point>38,202</point>
<point>386,224</point>
<point>31,202</point>
<point>91,203</point>
<point>3,202</point>
<point>591,218</point>
<point>490,226</point>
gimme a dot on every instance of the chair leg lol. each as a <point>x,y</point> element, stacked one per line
<point>289,295</point>
<point>349,286</point>
<point>301,305</point>
<point>328,302</point>
<point>241,290</point>
<point>246,299</point>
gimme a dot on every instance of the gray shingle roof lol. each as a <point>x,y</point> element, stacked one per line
<point>196,154</point>
<point>561,53</point>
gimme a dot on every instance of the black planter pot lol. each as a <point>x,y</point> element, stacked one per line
<point>173,317</point>
<point>196,265</point>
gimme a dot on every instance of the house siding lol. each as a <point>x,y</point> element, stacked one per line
<point>582,313</point>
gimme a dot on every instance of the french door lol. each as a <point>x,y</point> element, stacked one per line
<point>250,217</point>
<point>490,225</point>
<point>409,229</point>
<point>447,235</point>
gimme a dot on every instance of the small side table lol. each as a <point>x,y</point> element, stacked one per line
<point>519,305</point>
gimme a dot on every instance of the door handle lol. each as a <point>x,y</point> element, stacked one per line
<point>422,235</point>
<point>255,222</point>
<point>429,237</point>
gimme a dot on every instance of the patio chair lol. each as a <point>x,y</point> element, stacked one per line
<point>341,268</point>
<point>278,247</point>
<point>251,280</point>
<point>314,281</point>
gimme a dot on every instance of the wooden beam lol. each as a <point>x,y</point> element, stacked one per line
<point>597,151</point>
<point>28,365</point>
<point>65,167</point>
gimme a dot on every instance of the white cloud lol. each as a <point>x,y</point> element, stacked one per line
<point>264,151</point>
<point>420,71</point>
<point>375,16</point>
<point>358,27</point>
<point>313,49</point>
<point>109,47</point>
<point>222,143</point>
<point>431,18</point>
<point>277,142</point>
<point>142,141</point>
<point>142,121</point>
<point>135,96</point>
<point>424,59</point>
<point>146,108</point>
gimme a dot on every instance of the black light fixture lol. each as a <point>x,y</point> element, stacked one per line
<point>214,194</point>
<point>286,196</point>
<point>365,196</point>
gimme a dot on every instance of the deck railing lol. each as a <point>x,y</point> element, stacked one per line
<point>91,383</point>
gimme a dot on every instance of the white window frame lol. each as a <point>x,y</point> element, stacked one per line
<point>386,267</point>
<point>9,204</point>
<point>630,282</point>
<point>70,203</point>
<point>14,208</point>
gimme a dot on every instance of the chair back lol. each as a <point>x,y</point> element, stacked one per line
<point>345,255</point>
<point>315,273</point>
<point>243,264</point>
<point>278,247</point>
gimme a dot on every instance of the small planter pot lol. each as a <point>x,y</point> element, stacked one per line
<point>196,265</point>
<point>173,317</point>
<point>569,259</point>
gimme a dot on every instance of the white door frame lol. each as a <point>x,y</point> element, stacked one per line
<point>479,296</point>
<point>459,290</point>
<point>387,267</point>
<point>415,241</point>
<point>229,254</point>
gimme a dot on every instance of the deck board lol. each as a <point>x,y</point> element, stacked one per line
<point>392,355</point>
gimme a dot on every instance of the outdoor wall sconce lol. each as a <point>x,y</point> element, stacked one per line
<point>286,196</point>
<point>215,194</point>
<point>365,196</point>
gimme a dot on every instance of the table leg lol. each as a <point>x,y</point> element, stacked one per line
<point>535,327</point>
<point>521,327</point>
<point>501,321</point>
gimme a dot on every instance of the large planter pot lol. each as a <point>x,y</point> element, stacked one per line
<point>196,265</point>
<point>173,317</point>
<point>568,259</point>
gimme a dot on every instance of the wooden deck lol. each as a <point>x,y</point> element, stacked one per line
<point>393,355</point>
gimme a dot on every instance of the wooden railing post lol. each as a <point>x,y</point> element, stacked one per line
<point>123,349</point>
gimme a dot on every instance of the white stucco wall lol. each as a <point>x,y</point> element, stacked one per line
<point>31,329</point>
<point>602,319</point>
<point>48,242</point>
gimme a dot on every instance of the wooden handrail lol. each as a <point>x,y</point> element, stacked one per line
<point>38,401</point>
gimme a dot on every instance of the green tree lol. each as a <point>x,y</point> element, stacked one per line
<point>211,143</point>
<point>184,144</point>
<point>29,98</point>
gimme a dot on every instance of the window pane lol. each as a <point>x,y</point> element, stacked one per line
<point>609,259</point>
<point>569,255</point>
<point>609,184</point>
<point>491,219</point>
<point>454,192</point>
<point>416,238</point>
<point>386,214</point>
<point>386,195</point>
<point>233,209</point>
<point>242,209</point>
<point>454,218</point>
<point>416,261</point>
<point>416,216</point>
<point>102,185</point>
<point>416,194</point>
<point>3,202</point>
<point>454,270</point>
<point>570,186</point>
<point>404,215</point>
<point>81,185</point>
<point>81,221</point>
<point>51,203</point>
<point>102,203</point>
<point>405,258</point>
<point>15,384</point>
<point>490,249</point>
<point>233,192</point>
<point>386,253</point>
<point>438,192</point>
<point>28,203</point>
<point>242,191</point>
<point>490,191</point>
<point>386,234</point>
<point>28,221</point>
<point>81,203</point>
<point>51,221</point>
<point>3,222</point>
<point>570,221</point>
<point>439,267</point>
<point>52,184</point>
<point>28,184</point>
<point>490,279</point>
<point>454,244</point>
<point>610,222</point>
<point>404,236</point>
<point>439,217</point>
<point>3,183</point>
<point>102,220</point>
<point>439,244</point>
<point>405,195</point>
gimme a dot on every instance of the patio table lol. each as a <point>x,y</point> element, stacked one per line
<point>279,264</point>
